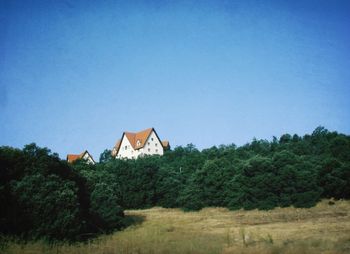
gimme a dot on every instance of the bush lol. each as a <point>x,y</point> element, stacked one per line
<point>43,196</point>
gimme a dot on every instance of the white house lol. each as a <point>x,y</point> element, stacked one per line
<point>146,142</point>
<point>84,156</point>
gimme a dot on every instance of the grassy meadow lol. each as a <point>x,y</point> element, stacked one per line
<point>324,228</point>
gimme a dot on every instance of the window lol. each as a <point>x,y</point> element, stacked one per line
<point>149,150</point>
<point>138,143</point>
<point>152,139</point>
<point>126,147</point>
<point>147,143</point>
<point>156,150</point>
<point>156,144</point>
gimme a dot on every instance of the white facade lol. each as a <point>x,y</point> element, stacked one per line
<point>83,156</point>
<point>126,150</point>
<point>88,158</point>
<point>151,146</point>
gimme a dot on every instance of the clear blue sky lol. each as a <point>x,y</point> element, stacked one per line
<point>75,74</point>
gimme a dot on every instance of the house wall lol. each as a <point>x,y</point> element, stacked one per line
<point>88,158</point>
<point>153,145</point>
<point>129,152</point>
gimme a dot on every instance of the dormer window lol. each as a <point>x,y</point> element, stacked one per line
<point>138,142</point>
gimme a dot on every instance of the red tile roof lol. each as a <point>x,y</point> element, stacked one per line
<point>165,143</point>
<point>136,139</point>
<point>73,157</point>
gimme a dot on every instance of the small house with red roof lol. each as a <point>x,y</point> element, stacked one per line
<point>135,144</point>
<point>83,156</point>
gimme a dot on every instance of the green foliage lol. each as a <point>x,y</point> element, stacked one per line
<point>255,185</point>
<point>261,174</point>
<point>104,203</point>
<point>206,186</point>
<point>43,196</point>
<point>106,156</point>
<point>334,176</point>
<point>49,205</point>
<point>170,182</point>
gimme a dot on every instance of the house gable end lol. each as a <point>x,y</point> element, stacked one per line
<point>126,148</point>
<point>83,156</point>
<point>142,137</point>
<point>154,131</point>
<point>87,156</point>
<point>135,144</point>
<point>153,144</point>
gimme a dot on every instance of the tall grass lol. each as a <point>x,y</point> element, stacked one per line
<point>321,229</point>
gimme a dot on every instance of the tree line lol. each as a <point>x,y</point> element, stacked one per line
<point>46,197</point>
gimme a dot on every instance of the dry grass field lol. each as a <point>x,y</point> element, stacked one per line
<point>321,229</point>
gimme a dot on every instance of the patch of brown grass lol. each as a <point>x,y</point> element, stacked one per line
<point>322,229</point>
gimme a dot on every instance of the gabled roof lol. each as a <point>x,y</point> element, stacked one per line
<point>116,147</point>
<point>165,143</point>
<point>73,157</point>
<point>136,139</point>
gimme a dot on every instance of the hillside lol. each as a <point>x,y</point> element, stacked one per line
<point>324,228</point>
<point>46,198</point>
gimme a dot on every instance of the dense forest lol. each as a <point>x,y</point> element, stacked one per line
<point>43,196</point>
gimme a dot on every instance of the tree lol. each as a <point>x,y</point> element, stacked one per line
<point>207,185</point>
<point>334,178</point>
<point>104,204</point>
<point>49,206</point>
<point>255,185</point>
<point>106,156</point>
<point>43,196</point>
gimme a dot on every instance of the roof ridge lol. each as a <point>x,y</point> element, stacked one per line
<point>137,139</point>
